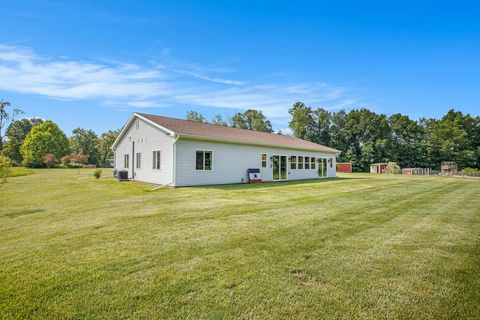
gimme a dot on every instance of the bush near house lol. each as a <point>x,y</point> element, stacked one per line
<point>97,173</point>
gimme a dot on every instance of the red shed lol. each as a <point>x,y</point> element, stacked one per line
<point>344,167</point>
<point>378,167</point>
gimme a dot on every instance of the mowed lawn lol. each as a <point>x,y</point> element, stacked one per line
<point>362,246</point>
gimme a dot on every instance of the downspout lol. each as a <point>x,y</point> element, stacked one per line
<point>174,166</point>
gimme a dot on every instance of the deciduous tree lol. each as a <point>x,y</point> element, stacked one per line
<point>42,139</point>
<point>302,120</point>
<point>6,117</point>
<point>16,133</point>
<point>5,169</point>
<point>49,160</point>
<point>104,146</point>
<point>86,142</point>
<point>251,120</point>
<point>195,116</point>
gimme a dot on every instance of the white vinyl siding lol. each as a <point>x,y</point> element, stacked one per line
<point>231,161</point>
<point>147,138</point>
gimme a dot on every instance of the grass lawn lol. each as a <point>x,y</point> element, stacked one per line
<point>20,171</point>
<point>362,246</point>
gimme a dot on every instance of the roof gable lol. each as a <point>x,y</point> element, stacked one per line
<point>129,124</point>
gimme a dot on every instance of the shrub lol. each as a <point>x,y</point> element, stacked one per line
<point>78,158</point>
<point>5,169</point>
<point>49,160</point>
<point>65,160</point>
<point>471,170</point>
<point>74,160</point>
<point>97,173</point>
<point>393,168</point>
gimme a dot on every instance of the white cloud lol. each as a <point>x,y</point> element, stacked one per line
<point>156,85</point>
<point>285,131</point>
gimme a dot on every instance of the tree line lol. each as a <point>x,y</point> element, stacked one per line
<point>366,137</point>
<point>37,143</point>
<point>362,136</point>
<point>250,119</point>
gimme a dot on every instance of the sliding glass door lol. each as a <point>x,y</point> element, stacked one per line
<point>322,167</point>
<point>279,167</point>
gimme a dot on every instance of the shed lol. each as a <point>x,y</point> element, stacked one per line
<point>344,167</point>
<point>448,168</point>
<point>378,167</point>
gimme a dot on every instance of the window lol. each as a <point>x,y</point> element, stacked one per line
<point>307,162</point>
<point>203,160</point>
<point>156,159</point>
<point>293,162</point>
<point>264,160</point>
<point>330,162</point>
<point>312,163</point>
<point>137,124</point>
<point>138,160</point>
<point>125,160</point>
<point>300,162</point>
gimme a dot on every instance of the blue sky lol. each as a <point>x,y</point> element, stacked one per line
<point>91,63</point>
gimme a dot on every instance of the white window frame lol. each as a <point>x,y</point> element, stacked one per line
<point>195,159</point>
<point>293,162</point>
<point>302,163</point>
<point>138,160</point>
<point>126,160</point>
<point>313,163</point>
<point>306,163</point>
<point>154,160</point>
<point>262,161</point>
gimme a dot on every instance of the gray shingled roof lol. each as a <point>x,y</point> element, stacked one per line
<point>223,133</point>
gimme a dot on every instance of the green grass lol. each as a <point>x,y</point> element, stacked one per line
<point>20,171</point>
<point>362,246</point>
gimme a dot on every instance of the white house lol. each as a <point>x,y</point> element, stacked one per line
<point>176,152</point>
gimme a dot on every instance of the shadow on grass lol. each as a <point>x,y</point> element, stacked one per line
<point>275,184</point>
<point>22,212</point>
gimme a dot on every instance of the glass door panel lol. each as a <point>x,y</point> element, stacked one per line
<point>276,167</point>
<point>283,167</point>
<point>322,167</point>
